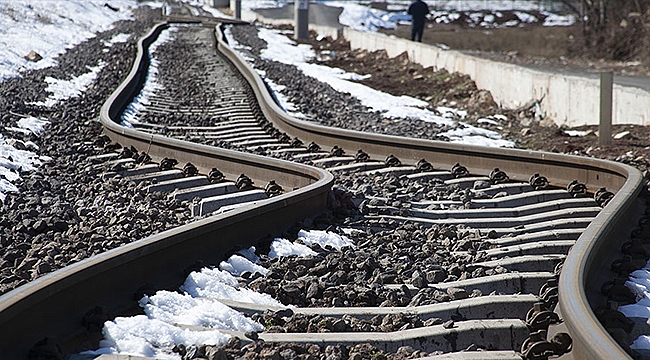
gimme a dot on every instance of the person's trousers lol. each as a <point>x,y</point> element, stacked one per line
<point>416,31</point>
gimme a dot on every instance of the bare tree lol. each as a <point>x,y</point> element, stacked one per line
<point>614,29</point>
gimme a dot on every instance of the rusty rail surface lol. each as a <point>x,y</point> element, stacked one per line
<point>55,304</point>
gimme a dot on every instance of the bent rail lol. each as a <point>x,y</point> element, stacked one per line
<point>582,273</point>
<point>519,164</point>
<point>56,303</point>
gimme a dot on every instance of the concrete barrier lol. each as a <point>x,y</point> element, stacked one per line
<point>330,31</point>
<point>565,99</point>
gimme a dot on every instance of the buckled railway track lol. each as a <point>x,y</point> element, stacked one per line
<point>546,214</point>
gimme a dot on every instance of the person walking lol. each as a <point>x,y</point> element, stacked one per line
<point>418,11</point>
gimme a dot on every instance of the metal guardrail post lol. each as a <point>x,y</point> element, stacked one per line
<point>605,126</point>
<point>301,19</point>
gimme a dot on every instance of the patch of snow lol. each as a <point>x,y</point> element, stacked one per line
<point>576,133</point>
<point>487,121</point>
<point>525,17</point>
<point>361,17</point>
<point>282,101</point>
<point>492,5</point>
<point>476,17</point>
<point>12,161</point>
<point>284,248</point>
<point>641,343</point>
<point>6,187</point>
<point>558,20</point>
<point>142,336</point>
<point>175,308</point>
<point>250,254</point>
<point>451,113</point>
<point>324,238</point>
<point>66,89</point>
<point>34,125</point>
<point>218,284</point>
<point>476,136</point>
<point>50,27</point>
<point>119,38</point>
<point>236,265</point>
<point>639,284</point>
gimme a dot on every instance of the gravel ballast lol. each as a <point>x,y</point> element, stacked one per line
<point>65,212</point>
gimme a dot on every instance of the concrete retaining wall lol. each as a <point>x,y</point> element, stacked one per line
<point>565,99</point>
<point>330,31</point>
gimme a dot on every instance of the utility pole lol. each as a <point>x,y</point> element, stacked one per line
<point>238,9</point>
<point>301,20</point>
<point>605,126</point>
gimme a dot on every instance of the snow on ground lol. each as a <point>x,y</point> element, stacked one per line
<point>641,343</point>
<point>50,28</point>
<point>249,254</point>
<point>493,5</point>
<point>285,50</point>
<point>47,28</point>
<point>324,239</point>
<point>152,335</point>
<point>142,336</point>
<point>479,13</point>
<point>66,89</point>
<point>363,18</point>
<point>119,38</point>
<point>237,264</point>
<point>32,124</point>
<point>558,20</point>
<point>24,158</point>
<point>197,305</point>
<point>576,133</point>
<point>220,284</point>
<point>639,284</point>
<point>487,121</point>
<point>172,307</point>
<point>525,17</point>
<point>284,248</point>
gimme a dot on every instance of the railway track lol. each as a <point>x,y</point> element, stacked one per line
<point>515,209</point>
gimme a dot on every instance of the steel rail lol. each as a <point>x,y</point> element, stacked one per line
<point>582,273</point>
<point>55,304</point>
<point>518,164</point>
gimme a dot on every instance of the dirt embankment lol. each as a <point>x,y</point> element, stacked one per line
<point>399,76</point>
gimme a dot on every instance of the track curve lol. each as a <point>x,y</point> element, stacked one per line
<point>55,303</point>
<point>596,246</point>
<point>71,292</point>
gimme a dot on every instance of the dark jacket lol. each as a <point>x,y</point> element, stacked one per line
<point>418,10</point>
